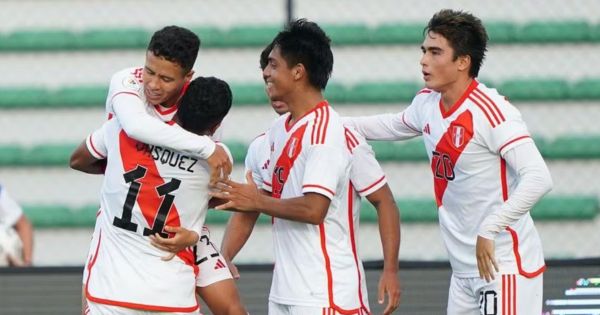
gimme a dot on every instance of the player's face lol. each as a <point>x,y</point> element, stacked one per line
<point>278,76</point>
<point>438,66</point>
<point>163,80</point>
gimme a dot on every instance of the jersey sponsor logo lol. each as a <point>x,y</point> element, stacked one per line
<point>167,157</point>
<point>458,136</point>
<point>219,264</point>
<point>426,129</point>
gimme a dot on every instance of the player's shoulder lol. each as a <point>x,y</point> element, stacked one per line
<point>227,150</point>
<point>491,102</point>
<point>127,79</point>
<point>425,97</point>
<point>353,138</point>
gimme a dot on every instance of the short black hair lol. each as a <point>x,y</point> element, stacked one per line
<point>305,42</point>
<point>204,104</point>
<point>264,56</point>
<point>176,44</point>
<point>465,33</point>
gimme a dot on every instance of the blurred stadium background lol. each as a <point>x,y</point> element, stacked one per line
<point>57,57</point>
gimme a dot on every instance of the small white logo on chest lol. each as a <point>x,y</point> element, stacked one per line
<point>458,136</point>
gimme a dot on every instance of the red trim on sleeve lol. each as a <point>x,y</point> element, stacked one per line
<point>371,186</point>
<point>511,141</point>
<point>503,179</point>
<point>320,187</point>
<point>96,150</point>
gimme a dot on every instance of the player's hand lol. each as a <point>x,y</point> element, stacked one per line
<point>238,196</point>
<point>486,262</point>
<point>182,239</point>
<point>232,268</point>
<point>220,165</point>
<point>389,283</point>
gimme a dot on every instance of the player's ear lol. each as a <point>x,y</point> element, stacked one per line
<point>189,75</point>
<point>464,62</point>
<point>299,71</point>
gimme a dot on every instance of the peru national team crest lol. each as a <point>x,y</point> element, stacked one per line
<point>458,136</point>
<point>292,147</point>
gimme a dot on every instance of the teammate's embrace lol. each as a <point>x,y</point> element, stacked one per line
<point>487,171</point>
<point>146,188</point>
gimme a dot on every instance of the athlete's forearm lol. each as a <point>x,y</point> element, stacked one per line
<point>25,231</point>
<point>534,181</point>
<point>389,226</point>
<point>239,228</point>
<point>381,127</point>
<point>138,124</point>
<point>310,208</point>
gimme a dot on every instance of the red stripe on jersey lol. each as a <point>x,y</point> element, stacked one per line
<point>286,160</point>
<point>320,187</point>
<point>289,127</point>
<point>424,91</point>
<point>320,119</point>
<point>166,111</point>
<point>522,272</point>
<point>94,148</point>
<point>485,104</point>
<point>503,179</point>
<point>491,102</point>
<point>409,126</point>
<point>353,240</point>
<point>351,135</point>
<point>314,127</point>
<point>511,141</point>
<point>514,294</point>
<point>326,121</point>
<point>460,132</point>
<point>134,154</point>
<point>503,292</point>
<point>371,186</point>
<point>485,111</point>
<point>459,102</point>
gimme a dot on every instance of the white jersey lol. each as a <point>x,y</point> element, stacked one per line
<point>126,100</point>
<point>315,265</point>
<point>465,146</point>
<point>145,188</point>
<point>10,211</point>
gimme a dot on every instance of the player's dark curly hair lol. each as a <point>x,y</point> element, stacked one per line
<point>176,44</point>
<point>465,33</point>
<point>306,43</point>
<point>204,104</point>
<point>264,56</point>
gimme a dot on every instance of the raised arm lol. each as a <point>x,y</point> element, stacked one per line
<point>383,127</point>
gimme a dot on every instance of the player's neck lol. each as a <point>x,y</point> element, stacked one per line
<point>303,104</point>
<point>454,92</point>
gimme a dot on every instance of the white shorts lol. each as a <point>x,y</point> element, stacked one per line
<point>213,267</point>
<point>103,309</point>
<point>282,309</point>
<point>506,294</point>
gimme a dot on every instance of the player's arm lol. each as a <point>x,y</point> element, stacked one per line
<point>82,160</point>
<point>25,230</point>
<point>132,114</point>
<point>383,127</point>
<point>534,181</point>
<point>310,208</point>
<point>388,219</point>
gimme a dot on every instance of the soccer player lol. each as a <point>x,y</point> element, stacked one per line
<point>159,86</point>
<point>487,171</point>
<point>316,269</point>
<point>146,188</point>
<point>367,179</point>
<point>11,216</point>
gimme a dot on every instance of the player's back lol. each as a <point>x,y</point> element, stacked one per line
<point>144,189</point>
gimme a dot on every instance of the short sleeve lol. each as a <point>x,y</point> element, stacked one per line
<point>10,211</point>
<point>325,166</point>
<point>366,174</point>
<point>96,143</point>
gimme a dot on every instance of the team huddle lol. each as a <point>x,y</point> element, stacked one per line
<point>164,167</point>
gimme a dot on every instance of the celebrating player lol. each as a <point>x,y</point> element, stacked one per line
<point>367,179</point>
<point>146,188</point>
<point>487,171</point>
<point>316,269</point>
